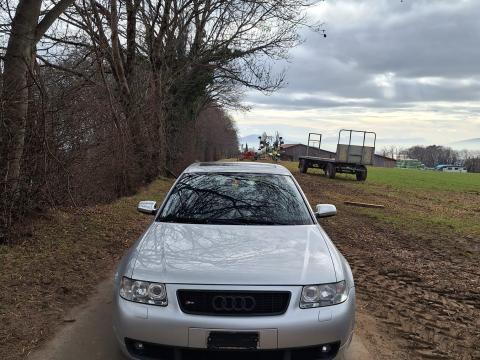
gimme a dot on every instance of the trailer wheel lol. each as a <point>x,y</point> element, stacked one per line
<point>361,175</point>
<point>303,166</point>
<point>330,171</point>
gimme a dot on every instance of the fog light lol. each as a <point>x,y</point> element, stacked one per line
<point>138,346</point>
<point>326,348</point>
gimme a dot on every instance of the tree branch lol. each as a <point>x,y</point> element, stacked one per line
<point>50,17</point>
<point>66,69</point>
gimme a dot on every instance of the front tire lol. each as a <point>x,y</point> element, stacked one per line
<point>330,171</point>
<point>303,166</point>
<point>361,175</point>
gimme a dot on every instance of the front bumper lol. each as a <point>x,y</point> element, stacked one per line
<point>297,328</point>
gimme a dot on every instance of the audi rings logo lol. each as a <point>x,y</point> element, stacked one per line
<point>233,303</point>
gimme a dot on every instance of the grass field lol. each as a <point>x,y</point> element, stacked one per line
<point>416,200</point>
<point>425,180</point>
<point>411,179</point>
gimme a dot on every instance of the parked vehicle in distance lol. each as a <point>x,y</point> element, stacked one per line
<point>234,262</point>
<point>350,157</point>
<point>451,168</point>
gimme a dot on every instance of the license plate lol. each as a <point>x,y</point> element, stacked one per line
<point>232,340</point>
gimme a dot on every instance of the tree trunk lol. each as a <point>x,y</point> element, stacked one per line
<point>18,59</point>
<point>25,32</point>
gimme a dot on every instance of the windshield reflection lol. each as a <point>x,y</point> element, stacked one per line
<point>244,199</point>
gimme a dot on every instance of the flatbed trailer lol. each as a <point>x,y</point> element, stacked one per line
<point>331,167</point>
<point>349,158</point>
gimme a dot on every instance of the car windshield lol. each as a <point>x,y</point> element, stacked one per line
<point>228,199</point>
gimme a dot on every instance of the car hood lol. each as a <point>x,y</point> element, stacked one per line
<point>234,254</point>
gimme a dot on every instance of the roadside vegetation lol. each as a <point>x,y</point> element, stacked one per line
<point>66,253</point>
<point>100,97</point>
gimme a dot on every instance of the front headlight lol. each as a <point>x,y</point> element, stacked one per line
<point>143,292</point>
<point>323,295</point>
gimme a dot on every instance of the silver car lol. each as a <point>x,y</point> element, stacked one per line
<point>234,265</point>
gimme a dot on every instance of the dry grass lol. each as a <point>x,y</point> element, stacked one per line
<point>65,257</point>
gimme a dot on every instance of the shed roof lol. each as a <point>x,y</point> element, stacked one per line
<point>286,146</point>
<point>386,157</point>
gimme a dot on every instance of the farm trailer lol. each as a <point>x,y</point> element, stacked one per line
<point>349,158</point>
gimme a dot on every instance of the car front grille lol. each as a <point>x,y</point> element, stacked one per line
<point>233,303</point>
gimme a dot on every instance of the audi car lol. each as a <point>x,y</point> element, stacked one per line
<point>234,265</point>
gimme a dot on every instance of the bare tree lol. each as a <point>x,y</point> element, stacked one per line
<point>128,89</point>
<point>391,151</point>
<point>433,155</point>
<point>192,52</point>
<point>29,24</point>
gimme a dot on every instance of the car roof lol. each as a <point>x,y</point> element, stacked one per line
<point>237,167</point>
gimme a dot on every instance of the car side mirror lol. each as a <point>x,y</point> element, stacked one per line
<point>147,207</point>
<point>325,210</point>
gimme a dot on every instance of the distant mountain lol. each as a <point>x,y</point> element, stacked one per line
<point>251,140</point>
<point>472,144</point>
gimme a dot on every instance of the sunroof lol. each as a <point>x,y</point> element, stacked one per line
<point>233,164</point>
<point>216,164</point>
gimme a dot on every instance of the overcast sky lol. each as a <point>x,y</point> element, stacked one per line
<point>408,70</point>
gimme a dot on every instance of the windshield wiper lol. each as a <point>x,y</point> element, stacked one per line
<point>235,221</point>
<point>245,221</point>
<point>183,220</point>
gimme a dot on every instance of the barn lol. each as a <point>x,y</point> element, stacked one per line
<point>384,161</point>
<point>291,152</point>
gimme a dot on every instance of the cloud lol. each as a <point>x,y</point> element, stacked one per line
<point>415,61</point>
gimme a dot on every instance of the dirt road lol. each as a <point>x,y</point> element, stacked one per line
<point>90,336</point>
